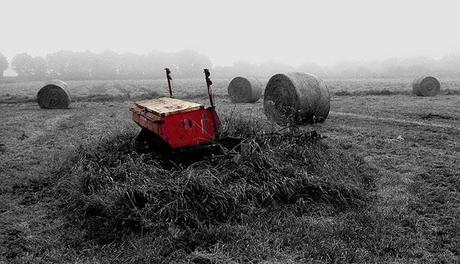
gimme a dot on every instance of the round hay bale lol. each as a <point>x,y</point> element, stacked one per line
<point>426,86</point>
<point>53,95</point>
<point>244,90</point>
<point>296,98</point>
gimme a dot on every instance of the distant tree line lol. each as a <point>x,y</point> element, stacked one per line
<point>391,68</point>
<point>70,65</point>
<point>3,64</point>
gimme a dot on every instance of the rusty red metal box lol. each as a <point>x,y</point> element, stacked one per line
<point>179,123</point>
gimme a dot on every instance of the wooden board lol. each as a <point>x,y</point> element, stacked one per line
<point>165,106</point>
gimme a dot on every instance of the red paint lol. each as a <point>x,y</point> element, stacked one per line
<point>180,130</point>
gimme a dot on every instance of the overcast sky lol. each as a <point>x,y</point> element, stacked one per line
<point>291,32</point>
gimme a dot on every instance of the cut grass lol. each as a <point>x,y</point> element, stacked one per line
<point>413,219</point>
<point>437,204</point>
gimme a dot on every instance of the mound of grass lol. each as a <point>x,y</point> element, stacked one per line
<point>111,189</point>
<point>281,195</point>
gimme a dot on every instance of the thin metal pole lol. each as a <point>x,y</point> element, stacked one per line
<point>208,84</point>
<point>169,78</point>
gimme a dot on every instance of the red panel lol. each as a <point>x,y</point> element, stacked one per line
<point>180,130</point>
<point>189,129</point>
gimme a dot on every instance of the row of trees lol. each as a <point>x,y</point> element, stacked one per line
<point>3,64</point>
<point>71,65</point>
<point>391,68</point>
<point>107,65</point>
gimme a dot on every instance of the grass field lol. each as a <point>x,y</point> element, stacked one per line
<point>124,90</point>
<point>381,186</point>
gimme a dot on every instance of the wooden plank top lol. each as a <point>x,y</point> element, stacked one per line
<point>167,106</point>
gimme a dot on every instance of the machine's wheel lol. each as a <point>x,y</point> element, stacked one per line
<point>147,141</point>
<point>144,141</point>
<point>230,143</point>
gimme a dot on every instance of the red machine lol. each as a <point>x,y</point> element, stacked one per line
<point>175,123</point>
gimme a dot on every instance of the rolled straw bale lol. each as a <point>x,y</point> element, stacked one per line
<point>296,98</point>
<point>54,94</point>
<point>426,86</point>
<point>244,90</point>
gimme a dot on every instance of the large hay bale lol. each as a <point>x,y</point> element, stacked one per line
<point>53,95</point>
<point>426,86</point>
<point>296,98</point>
<point>244,90</point>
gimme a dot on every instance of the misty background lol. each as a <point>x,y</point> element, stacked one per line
<point>69,65</point>
<point>136,39</point>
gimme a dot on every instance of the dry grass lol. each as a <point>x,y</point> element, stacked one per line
<point>126,90</point>
<point>404,212</point>
<point>111,90</point>
<point>284,196</point>
<point>111,189</point>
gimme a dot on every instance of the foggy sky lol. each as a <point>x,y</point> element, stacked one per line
<point>292,32</point>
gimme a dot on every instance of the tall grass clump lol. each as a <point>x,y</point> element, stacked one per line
<point>110,190</point>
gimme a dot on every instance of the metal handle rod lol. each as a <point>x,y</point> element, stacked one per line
<point>169,78</point>
<point>208,84</point>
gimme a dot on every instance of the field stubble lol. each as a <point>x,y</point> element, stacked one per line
<point>388,191</point>
<point>124,90</point>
